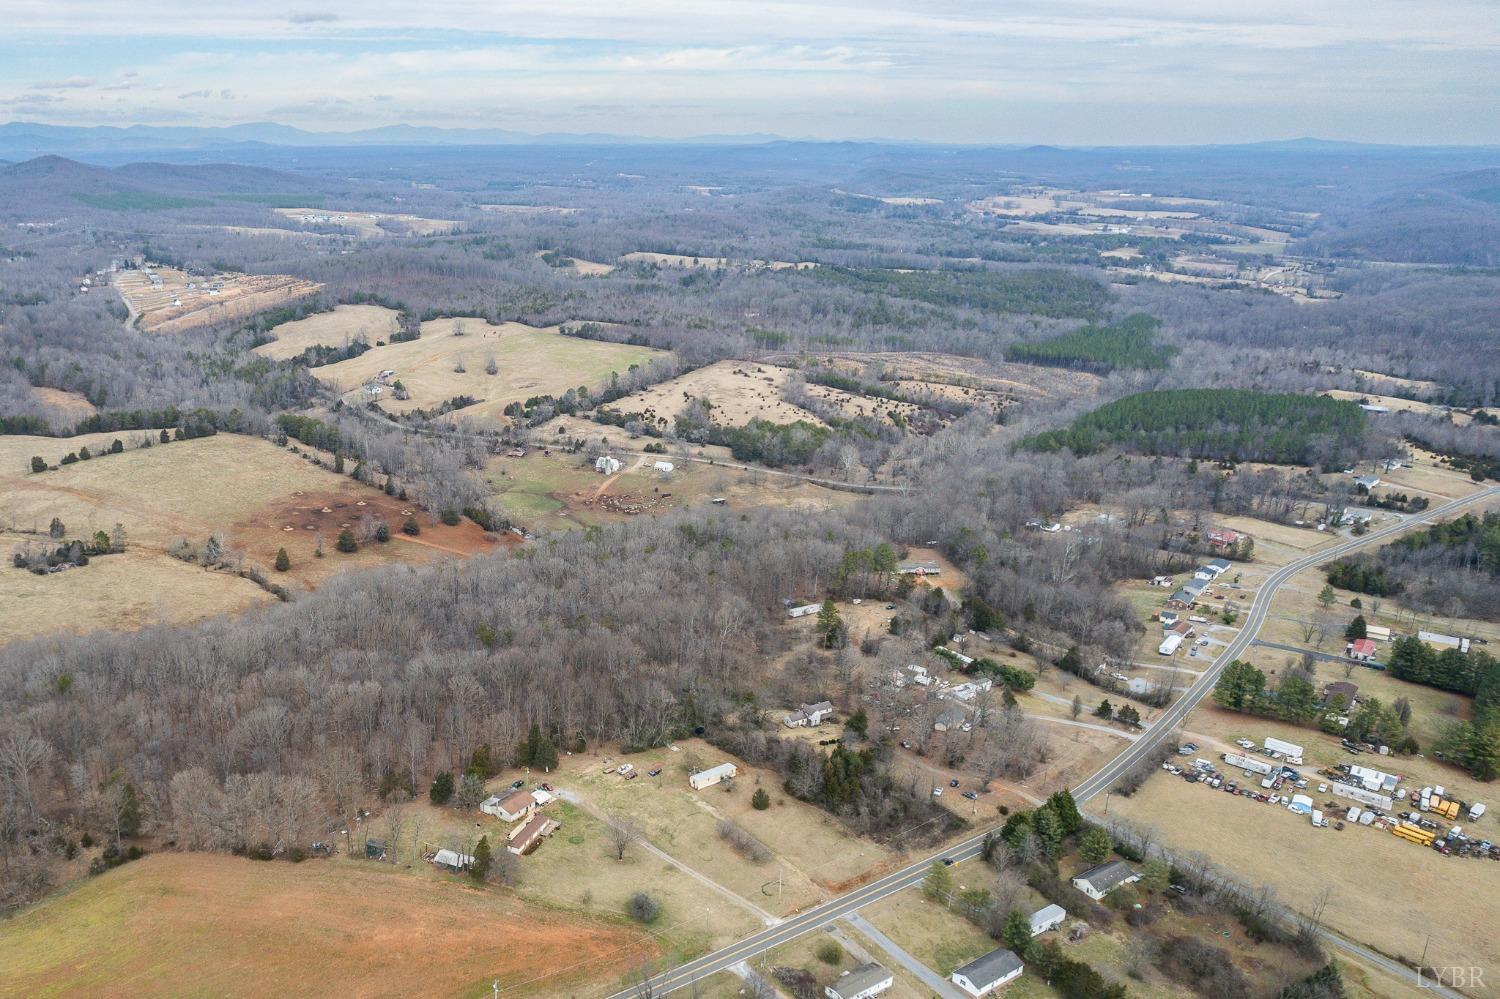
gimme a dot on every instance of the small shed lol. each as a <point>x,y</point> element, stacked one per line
<point>452,860</point>
<point>1047,918</point>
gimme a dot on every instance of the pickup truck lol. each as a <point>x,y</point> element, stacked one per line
<point>626,768</point>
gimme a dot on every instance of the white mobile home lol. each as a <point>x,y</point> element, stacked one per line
<point>712,776</point>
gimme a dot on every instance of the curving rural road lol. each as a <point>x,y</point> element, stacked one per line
<point>822,915</point>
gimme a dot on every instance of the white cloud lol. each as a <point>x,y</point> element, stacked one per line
<point>1086,70</point>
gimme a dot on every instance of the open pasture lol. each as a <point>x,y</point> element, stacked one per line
<point>453,356</point>
<point>202,924</point>
<point>345,324</point>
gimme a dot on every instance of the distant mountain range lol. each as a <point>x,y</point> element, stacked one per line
<point>23,140</point>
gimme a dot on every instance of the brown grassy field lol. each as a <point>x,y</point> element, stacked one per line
<point>197,924</point>
<point>263,496</point>
<point>587,268</point>
<point>185,302</point>
<point>367,225</point>
<point>345,324</point>
<point>1386,892</point>
<point>815,855</point>
<point>64,408</point>
<point>529,361</point>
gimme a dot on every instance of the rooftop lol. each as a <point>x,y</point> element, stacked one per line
<point>990,968</point>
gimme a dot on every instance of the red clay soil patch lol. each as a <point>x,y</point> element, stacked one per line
<point>327,513</point>
<point>199,924</point>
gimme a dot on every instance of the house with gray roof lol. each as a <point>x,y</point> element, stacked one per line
<point>984,975</point>
<point>863,982</point>
<point>1100,880</point>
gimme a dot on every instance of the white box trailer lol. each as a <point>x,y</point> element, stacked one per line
<point>1375,780</point>
<point>804,610</point>
<point>1359,794</point>
<point>1248,763</point>
<point>1476,811</point>
<point>1290,750</point>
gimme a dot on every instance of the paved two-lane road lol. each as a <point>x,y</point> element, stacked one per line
<point>1106,777</point>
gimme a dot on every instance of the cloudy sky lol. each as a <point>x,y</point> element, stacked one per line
<point>1060,71</point>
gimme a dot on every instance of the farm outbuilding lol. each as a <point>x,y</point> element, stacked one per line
<point>606,464</point>
<point>452,860</point>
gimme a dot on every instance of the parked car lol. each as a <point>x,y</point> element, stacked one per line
<point>654,772</point>
<point>953,783</point>
<point>937,792</point>
<point>947,861</point>
<point>632,775</point>
<point>548,787</point>
<point>516,785</point>
<point>970,795</point>
<point>1179,889</point>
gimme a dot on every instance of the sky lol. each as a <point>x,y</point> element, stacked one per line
<point>1073,72</point>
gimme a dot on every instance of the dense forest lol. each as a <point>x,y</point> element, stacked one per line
<point>1223,424</point>
<point>1129,343</point>
<point>1449,568</point>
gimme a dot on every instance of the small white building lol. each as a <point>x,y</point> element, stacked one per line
<point>712,776</point>
<point>1047,918</point>
<point>452,860</point>
<point>863,982</point>
<point>984,975</point>
<point>606,464</point>
<point>1170,644</point>
<point>662,466</point>
<point>1101,879</point>
<point>804,610</point>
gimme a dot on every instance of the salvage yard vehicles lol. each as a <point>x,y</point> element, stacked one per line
<point>1247,764</point>
<point>1288,750</point>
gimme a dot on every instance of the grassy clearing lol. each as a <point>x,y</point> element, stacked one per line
<point>1457,899</point>
<point>814,855</point>
<point>529,361</point>
<point>245,486</point>
<point>345,324</point>
<point>549,492</point>
<point>196,924</point>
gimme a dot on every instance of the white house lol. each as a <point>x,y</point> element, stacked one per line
<point>662,466</point>
<point>1169,644</point>
<point>1100,880</point>
<point>606,464</point>
<point>712,776</point>
<point>1047,918</point>
<point>511,808</point>
<point>809,715</point>
<point>984,975</point>
<point>863,982</point>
